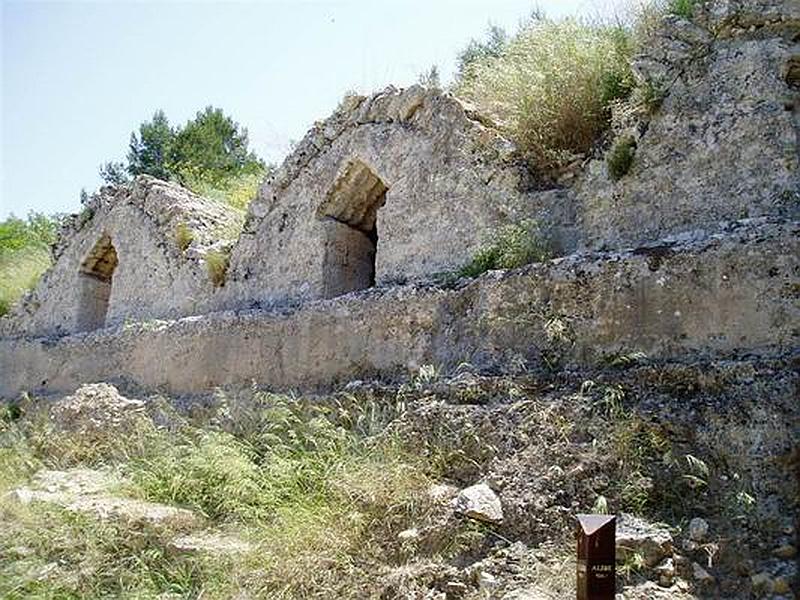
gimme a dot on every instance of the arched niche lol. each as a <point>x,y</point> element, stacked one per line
<point>94,282</point>
<point>349,218</point>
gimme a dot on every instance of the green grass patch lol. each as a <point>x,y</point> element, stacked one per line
<point>620,157</point>
<point>682,8</point>
<point>320,488</point>
<point>50,553</point>
<point>509,247</point>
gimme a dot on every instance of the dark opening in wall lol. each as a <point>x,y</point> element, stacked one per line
<point>349,217</point>
<point>94,280</point>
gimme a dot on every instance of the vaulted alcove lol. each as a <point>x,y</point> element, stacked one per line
<point>349,217</point>
<point>95,280</point>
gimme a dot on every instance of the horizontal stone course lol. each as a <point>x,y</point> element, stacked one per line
<point>736,291</point>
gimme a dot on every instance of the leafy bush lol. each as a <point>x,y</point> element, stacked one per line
<point>24,254</point>
<point>620,157</point>
<point>37,230</point>
<point>479,51</point>
<point>551,86</point>
<point>682,8</point>
<point>236,191</point>
<point>512,246</point>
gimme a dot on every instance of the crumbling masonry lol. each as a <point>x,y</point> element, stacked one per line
<point>693,251</point>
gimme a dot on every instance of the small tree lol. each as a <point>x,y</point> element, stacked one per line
<point>212,147</point>
<point>148,153</point>
<point>113,173</point>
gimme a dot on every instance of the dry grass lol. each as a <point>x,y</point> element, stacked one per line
<point>509,247</point>
<point>184,236</point>
<point>19,272</point>
<point>552,86</point>
<point>217,262</point>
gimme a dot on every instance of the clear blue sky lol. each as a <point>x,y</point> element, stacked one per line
<point>78,77</point>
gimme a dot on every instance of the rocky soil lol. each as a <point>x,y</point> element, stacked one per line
<point>696,459</point>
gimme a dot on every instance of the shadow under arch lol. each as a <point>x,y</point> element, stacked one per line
<point>349,217</point>
<point>94,280</point>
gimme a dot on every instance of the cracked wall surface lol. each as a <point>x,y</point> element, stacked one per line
<point>120,260</point>
<point>407,183</point>
<point>725,142</point>
<point>733,292</point>
<point>414,166</point>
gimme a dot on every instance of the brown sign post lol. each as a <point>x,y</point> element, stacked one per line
<point>597,557</point>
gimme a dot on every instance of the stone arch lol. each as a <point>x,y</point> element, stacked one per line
<point>349,216</point>
<point>95,279</point>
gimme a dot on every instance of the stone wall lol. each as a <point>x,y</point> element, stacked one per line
<point>736,291</point>
<point>413,169</point>
<point>120,260</point>
<point>725,142</point>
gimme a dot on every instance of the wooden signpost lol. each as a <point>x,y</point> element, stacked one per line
<point>597,557</point>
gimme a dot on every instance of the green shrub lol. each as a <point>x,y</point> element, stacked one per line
<point>682,8</point>
<point>24,254</point>
<point>236,191</point>
<point>620,157</point>
<point>512,246</point>
<point>19,272</point>
<point>551,86</point>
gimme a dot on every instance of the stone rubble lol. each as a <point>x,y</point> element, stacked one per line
<point>479,502</point>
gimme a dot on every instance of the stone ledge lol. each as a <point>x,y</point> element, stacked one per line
<point>709,295</point>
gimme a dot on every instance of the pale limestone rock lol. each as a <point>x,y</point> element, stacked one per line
<point>491,318</point>
<point>785,551</point>
<point>209,542</point>
<point>665,571</point>
<point>761,582</point>
<point>636,536</point>
<point>698,529</point>
<point>408,535</point>
<point>700,575</point>
<point>89,491</point>
<point>479,502</point>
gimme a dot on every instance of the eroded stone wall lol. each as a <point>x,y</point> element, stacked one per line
<point>415,168</point>
<point>720,294</point>
<point>149,276</point>
<point>725,142</point>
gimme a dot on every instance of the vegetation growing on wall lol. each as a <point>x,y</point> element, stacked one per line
<point>550,86</point>
<point>620,157</point>
<point>24,254</point>
<point>511,246</point>
<point>682,8</point>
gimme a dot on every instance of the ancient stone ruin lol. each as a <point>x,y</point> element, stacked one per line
<point>647,367</point>
<point>333,275</point>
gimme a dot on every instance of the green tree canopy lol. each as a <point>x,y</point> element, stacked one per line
<point>211,148</point>
<point>149,152</point>
<point>37,230</point>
